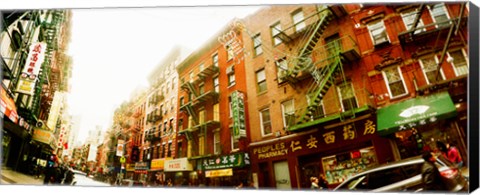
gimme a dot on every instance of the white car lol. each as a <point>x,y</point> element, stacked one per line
<point>81,179</point>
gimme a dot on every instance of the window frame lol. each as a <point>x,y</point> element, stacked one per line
<point>275,32</point>
<point>215,59</point>
<point>424,70</point>
<point>445,10</point>
<point>371,29</point>
<point>262,122</point>
<point>342,98</point>
<point>387,82</point>
<point>217,143</point>
<point>263,82</point>
<point>284,114</point>
<point>465,56</point>
<point>300,23</point>
<point>257,44</point>
<point>407,15</point>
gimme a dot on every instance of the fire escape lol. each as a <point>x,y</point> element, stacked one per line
<point>448,27</point>
<point>322,63</point>
<point>198,123</point>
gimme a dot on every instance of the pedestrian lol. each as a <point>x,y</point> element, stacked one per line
<point>454,156</point>
<point>68,179</point>
<point>169,183</point>
<point>314,183</point>
<point>239,186</point>
<point>431,178</point>
<point>323,183</point>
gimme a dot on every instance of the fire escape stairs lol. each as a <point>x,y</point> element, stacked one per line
<point>304,54</point>
<point>323,79</point>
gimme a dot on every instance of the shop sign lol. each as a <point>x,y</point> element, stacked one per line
<point>238,111</point>
<point>120,147</point>
<point>57,104</point>
<point>348,132</point>
<point>29,75</point>
<point>227,161</point>
<point>219,173</point>
<point>62,137</point>
<point>415,112</point>
<point>141,166</point>
<point>130,167</point>
<point>179,164</point>
<point>8,107</point>
<point>44,136</point>
<point>158,164</point>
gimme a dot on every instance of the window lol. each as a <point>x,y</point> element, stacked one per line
<point>257,44</point>
<point>235,145</point>
<point>216,84</point>
<point>261,81</point>
<point>460,62</point>
<point>393,77</point>
<point>288,112</point>
<point>429,67</point>
<point>440,15</point>
<point>173,84</point>
<point>282,68</point>
<point>298,20</point>
<point>201,145</point>
<point>201,116</point>
<point>230,106</point>
<point>159,151</point>
<point>408,18</point>
<point>191,76</point>
<point>229,52</point>
<point>386,177</point>
<point>347,96</point>
<point>216,112</point>
<point>201,67</point>
<point>172,103</point>
<point>190,122</point>
<point>201,89</point>
<point>265,122</point>
<point>215,60</point>
<point>275,30</point>
<point>182,99</point>
<point>216,140</point>
<point>378,32</point>
<point>231,79</point>
<point>163,150</point>
<point>169,149</point>
<point>180,150</point>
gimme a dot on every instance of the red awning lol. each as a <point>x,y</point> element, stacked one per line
<point>7,106</point>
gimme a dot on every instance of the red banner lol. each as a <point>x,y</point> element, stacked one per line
<point>8,107</point>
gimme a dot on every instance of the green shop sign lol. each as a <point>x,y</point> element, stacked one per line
<point>228,161</point>
<point>238,111</point>
<point>415,112</point>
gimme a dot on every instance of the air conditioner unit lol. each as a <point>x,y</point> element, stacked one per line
<point>230,69</point>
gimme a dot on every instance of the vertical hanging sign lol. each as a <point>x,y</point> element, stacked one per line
<point>120,147</point>
<point>29,75</point>
<point>238,111</point>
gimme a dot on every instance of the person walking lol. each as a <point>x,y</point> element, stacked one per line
<point>430,175</point>
<point>323,183</point>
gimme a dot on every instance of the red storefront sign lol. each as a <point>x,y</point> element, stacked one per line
<point>343,134</point>
<point>7,106</point>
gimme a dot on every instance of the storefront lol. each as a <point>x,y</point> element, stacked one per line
<point>179,171</point>
<point>156,175</point>
<point>336,151</point>
<point>417,124</point>
<point>141,171</point>
<point>223,171</point>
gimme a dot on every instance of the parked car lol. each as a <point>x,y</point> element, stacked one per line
<point>404,175</point>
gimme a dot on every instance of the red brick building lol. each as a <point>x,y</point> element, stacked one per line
<point>336,74</point>
<point>212,112</point>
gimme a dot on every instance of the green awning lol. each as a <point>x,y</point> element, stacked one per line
<point>414,113</point>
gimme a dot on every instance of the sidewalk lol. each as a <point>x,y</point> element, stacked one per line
<point>13,177</point>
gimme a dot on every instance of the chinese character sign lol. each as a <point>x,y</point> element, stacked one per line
<point>238,111</point>
<point>29,75</point>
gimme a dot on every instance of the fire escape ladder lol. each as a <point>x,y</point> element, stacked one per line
<point>323,80</point>
<point>311,42</point>
<point>192,89</point>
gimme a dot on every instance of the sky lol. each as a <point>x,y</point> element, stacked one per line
<point>115,49</point>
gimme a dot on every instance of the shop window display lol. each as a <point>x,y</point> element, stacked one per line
<point>338,168</point>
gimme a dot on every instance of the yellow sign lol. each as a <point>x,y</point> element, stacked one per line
<point>158,164</point>
<point>122,159</point>
<point>219,173</point>
<point>130,167</point>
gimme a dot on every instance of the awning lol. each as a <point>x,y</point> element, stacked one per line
<point>415,112</point>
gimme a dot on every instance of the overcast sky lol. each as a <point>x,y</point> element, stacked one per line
<point>114,49</point>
